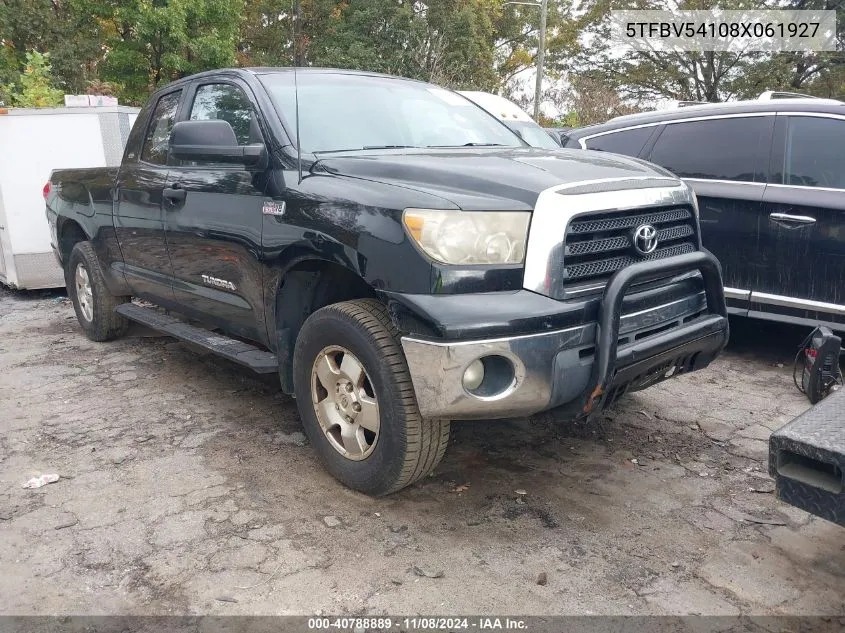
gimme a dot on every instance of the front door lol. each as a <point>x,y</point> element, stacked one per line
<point>214,232</point>
<point>138,220</point>
<point>804,236</point>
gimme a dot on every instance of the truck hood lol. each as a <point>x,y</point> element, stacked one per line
<point>485,178</point>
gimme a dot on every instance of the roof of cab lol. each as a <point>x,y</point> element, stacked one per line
<point>267,70</point>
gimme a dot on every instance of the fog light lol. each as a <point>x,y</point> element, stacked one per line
<point>474,375</point>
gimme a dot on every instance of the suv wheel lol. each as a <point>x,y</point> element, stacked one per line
<point>92,301</point>
<point>357,403</point>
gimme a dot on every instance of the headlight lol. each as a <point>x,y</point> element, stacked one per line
<point>469,237</point>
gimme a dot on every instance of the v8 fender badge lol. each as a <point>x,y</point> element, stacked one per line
<point>219,283</point>
<point>271,207</point>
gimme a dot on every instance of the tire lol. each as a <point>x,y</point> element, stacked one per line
<point>95,313</point>
<point>406,446</point>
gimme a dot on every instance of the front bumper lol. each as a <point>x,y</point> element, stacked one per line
<point>585,367</point>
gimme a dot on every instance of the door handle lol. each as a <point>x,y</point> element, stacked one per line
<point>175,194</point>
<point>792,219</point>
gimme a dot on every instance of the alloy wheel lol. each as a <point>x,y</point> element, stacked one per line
<point>345,402</point>
<point>84,294</point>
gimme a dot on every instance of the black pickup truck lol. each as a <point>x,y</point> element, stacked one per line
<point>398,255</point>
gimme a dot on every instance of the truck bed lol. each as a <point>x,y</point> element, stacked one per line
<point>84,191</point>
<point>84,175</point>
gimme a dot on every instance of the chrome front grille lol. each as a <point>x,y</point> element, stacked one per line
<point>625,220</point>
<point>597,245</point>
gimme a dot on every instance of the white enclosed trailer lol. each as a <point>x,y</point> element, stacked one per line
<point>33,142</point>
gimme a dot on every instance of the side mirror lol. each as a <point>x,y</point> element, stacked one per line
<point>214,142</point>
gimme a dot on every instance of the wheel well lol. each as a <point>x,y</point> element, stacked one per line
<point>304,289</point>
<point>69,234</point>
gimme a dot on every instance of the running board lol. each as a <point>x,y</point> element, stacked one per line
<point>807,460</point>
<point>257,359</point>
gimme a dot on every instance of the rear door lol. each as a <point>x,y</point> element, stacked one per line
<point>138,220</point>
<point>214,233</point>
<point>725,161</point>
<point>804,236</point>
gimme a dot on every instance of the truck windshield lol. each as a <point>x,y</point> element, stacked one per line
<point>346,112</point>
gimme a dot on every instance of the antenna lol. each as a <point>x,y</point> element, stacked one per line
<point>296,89</point>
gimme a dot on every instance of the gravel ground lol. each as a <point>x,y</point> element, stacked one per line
<point>187,487</point>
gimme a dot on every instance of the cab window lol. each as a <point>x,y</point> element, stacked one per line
<point>157,139</point>
<point>225,102</point>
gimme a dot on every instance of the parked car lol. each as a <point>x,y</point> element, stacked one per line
<point>386,270</point>
<point>514,117</point>
<point>770,180</point>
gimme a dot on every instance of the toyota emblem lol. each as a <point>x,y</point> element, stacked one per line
<point>645,239</point>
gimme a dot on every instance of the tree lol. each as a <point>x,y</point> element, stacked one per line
<point>36,89</point>
<point>64,28</point>
<point>266,33</point>
<point>365,35</point>
<point>129,47</point>
<point>589,101</point>
<point>820,73</point>
<point>645,76</point>
<point>151,42</point>
<point>452,43</point>
<point>517,29</point>
<point>444,41</point>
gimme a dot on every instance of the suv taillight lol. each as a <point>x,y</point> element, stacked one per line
<point>46,190</point>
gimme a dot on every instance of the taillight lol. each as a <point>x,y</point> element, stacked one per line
<point>46,190</point>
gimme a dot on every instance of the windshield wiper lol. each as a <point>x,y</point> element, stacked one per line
<point>472,145</point>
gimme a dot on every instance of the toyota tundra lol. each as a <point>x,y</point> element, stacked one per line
<point>396,254</point>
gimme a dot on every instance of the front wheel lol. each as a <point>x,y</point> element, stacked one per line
<point>357,403</point>
<point>92,301</point>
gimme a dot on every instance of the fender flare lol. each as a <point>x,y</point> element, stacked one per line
<point>296,293</point>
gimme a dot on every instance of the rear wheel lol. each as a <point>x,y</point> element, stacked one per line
<point>92,301</point>
<point>357,403</point>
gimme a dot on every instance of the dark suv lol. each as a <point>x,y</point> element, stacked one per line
<point>770,180</point>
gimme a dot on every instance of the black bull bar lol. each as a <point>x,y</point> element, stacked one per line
<point>709,332</point>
